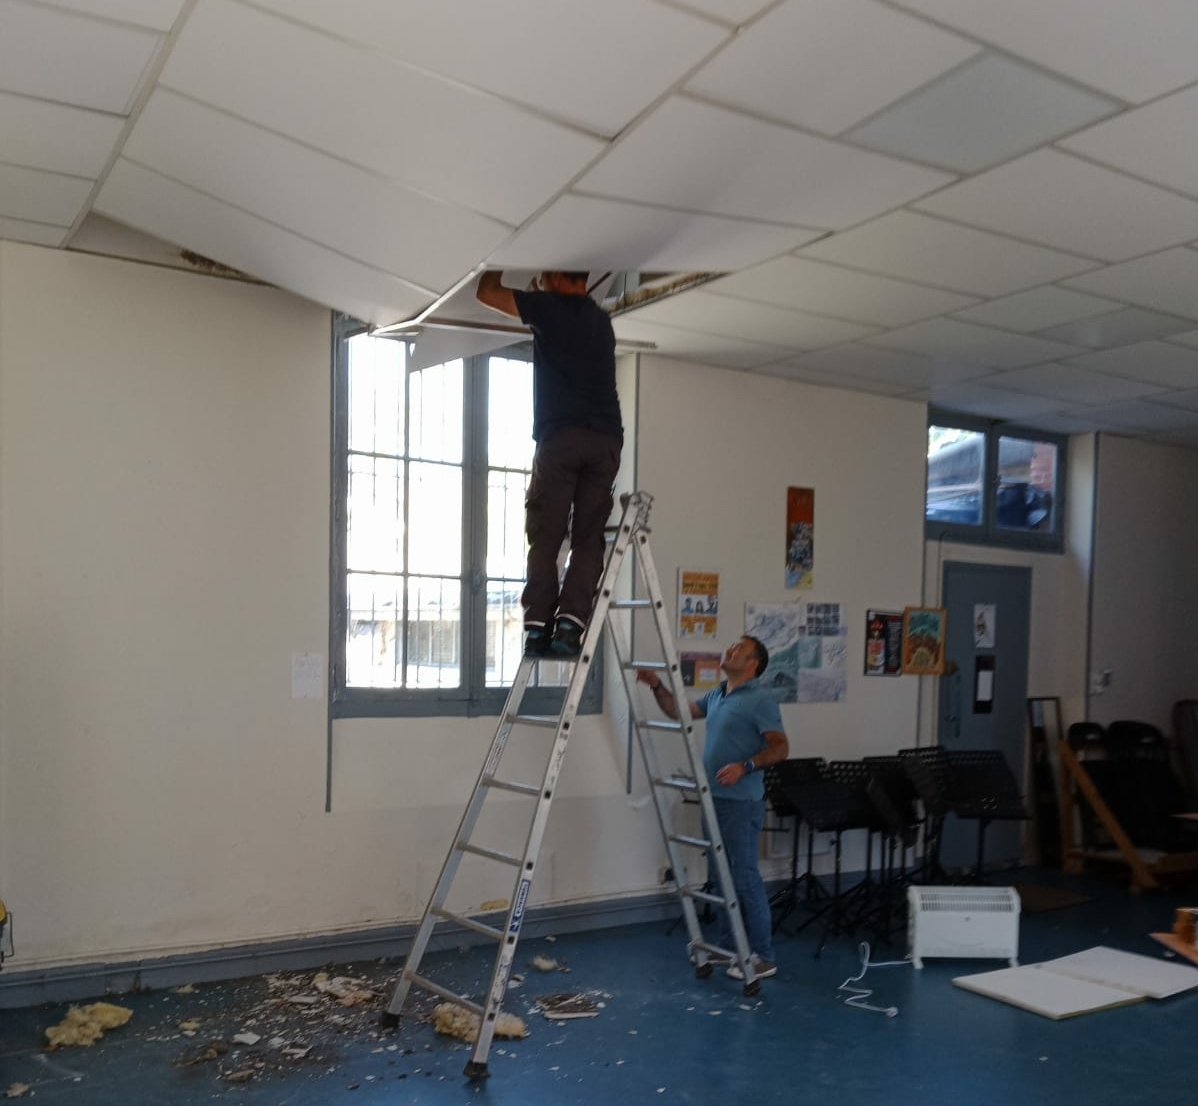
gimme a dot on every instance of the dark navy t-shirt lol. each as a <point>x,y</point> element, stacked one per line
<point>574,363</point>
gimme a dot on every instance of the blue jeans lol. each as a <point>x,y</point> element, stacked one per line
<point>740,826</point>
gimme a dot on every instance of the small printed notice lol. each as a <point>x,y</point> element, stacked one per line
<point>698,603</point>
<point>307,676</point>
<point>700,670</point>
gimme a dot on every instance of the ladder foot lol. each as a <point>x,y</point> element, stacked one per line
<point>752,988</point>
<point>702,971</point>
<point>388,1020</point>
<point>476,1069</point>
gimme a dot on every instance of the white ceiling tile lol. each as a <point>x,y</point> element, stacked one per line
<point>40,197</point>
<point>699,157</point>
<point>585,232</point>
<point>903,370</point>
<point>1155,142</point>
<point>1156,362</point>
<point>158,15</point>
<point>1165,281</point>
<point>597,65</point>
<point>710,349</point>
<point>1118,328</point>
<point>789,330</point>
<point>430,243</point>
<point>426,132</point>
<point>908,245</point>
<point>967,342</point>
<point>41,135</point>
<point>1036,310</point>
<point>1133,51</point>
<point>981,114</point>
<point>56,55</point>
<point>1073,421</point>
<point>1058,200</point>
<point>1140,415</point>
<point>161,207</point>
<point>804,285</point>
<point>807,374</point>
<point>1187,399</point>
<point>40,234</point>
<point>977,399</point>
<point>732,12</point>
<point>1189,339</point>
<point>790,64</point>
<point>1071,384</point>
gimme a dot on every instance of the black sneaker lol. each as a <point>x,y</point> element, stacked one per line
<point>567,638</point>
<point>536,641</point>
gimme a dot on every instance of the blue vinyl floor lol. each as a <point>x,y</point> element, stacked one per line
<point>660,1035</point>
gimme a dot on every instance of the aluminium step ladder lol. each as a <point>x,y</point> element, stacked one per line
<point>630,535</point>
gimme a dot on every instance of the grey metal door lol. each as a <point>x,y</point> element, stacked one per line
<point>983,694</point>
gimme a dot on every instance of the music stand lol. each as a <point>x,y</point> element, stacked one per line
<point>779,781</point>
<point>982,787</point>
<point>928,770</point>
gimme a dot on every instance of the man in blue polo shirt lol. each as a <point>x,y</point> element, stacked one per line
<point>744,734</point>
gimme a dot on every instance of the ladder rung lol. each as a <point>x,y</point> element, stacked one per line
<point>446,993</point>
<point>631,604</point>
<point>678,783</point>
<point>703,896</point>
<point>695,842</point>
<point>655,724</point>
<point>648,666</point>
<point>469,923</point>
<point>545,721</point>
<point>491,854</point>
<point>508,785</point>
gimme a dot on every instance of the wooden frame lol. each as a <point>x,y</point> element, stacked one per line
<point>923,641</point>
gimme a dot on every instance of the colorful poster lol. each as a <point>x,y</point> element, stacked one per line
<point>698,603</point>
<point>700,670</point>
<point>800,537</point>
<point>883,643</point>
<point>923,641</point>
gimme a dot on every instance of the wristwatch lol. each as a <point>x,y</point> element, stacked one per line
<point>749,767</point>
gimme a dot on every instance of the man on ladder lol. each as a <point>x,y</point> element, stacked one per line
<point>744,734</point>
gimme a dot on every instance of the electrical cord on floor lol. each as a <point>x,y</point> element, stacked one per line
<point>857,996</point>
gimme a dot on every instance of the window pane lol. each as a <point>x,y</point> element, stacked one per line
<point>435,519</point>
<point>376,395</point>
<point>374,514</point>
<point>434,632</point>
<point>506,547</point>
<point>510,413</point>
<point>1027,476</point>
<point>955,462</point>
<point>436,397</point>
<point>505,641</point>
<point>375,609</point>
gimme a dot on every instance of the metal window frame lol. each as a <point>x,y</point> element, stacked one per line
<point>473,698</point>
<point>987,532</point>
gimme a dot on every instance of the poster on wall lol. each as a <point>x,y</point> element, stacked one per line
<point>923,641</point>
<point>800,537</point>
<point>698,602</point>
<point>984,615</point>
<point>808,649</point>
<point>883,643</point>
<point>700,670</point>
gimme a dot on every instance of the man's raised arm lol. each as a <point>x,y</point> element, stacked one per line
<point>492,292</point>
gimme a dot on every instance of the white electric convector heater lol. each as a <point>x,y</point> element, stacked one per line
<point>981,922</point>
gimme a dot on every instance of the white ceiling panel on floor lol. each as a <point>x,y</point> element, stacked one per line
<point>997,403</point>
<point>985,112</point>
<point>1165,281</point>
<point>1162,363</point>
<point>804,285</point>
<point>1140,415</point>
<point>175,213</point>
<point>968,342</point>
<point>1071,384</point>
<point>41,135</point>
<point>906,371</point>
<point>1062,201</point>
<point>699,157</point>
<point>589,232</point>
<point>908,245</point>
<point>1133,51</point>
<point>39,197</point>
<point>776,326</point>
<point>71,59</point>
<point>158,15</point>
<point>790,64</point>
<point>351,210</point>
<point>426,132</point>
<point>1118,328</point>
<point>40,234</point>
<point>1036,310</point>
<point>1155,142</point>
<point>596,65</point>
<point>711,349</point>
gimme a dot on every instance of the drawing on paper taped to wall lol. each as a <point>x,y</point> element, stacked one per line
<point>808,650</point>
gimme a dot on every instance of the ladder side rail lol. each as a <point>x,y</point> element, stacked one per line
<point>648,570</point>
<point>453,855</point>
